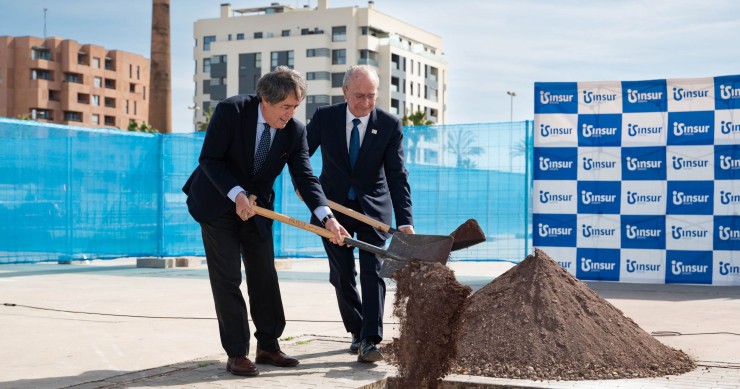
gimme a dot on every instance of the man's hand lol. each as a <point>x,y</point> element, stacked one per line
<point>244,205</point>
<point>339,232</point>
<point>407,230</point>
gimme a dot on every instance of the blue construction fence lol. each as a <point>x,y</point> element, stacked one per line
<point>71,193</point>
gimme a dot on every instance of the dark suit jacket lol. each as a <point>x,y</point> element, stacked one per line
<point>380,177</point>
<point>227,159</point>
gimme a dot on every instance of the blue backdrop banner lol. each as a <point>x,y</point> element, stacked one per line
<point>639,181</point>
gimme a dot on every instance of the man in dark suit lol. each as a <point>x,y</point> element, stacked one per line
<point>235,172</point>
<point>375,183</point>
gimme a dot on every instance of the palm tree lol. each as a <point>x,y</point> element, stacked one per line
<point>461,143</point>
<point>418,118</point>
<point>143,127</point>
<point>414,135</point>
<point>202,126</point>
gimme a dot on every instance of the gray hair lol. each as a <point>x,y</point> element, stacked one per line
<point>280,83</point>
<point>359,69</point>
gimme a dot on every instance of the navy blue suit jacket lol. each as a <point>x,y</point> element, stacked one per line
<point>227,160</point>
<point>380,177</point>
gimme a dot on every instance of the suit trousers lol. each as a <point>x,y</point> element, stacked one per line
<point>225,240</point>
<point>361,315</point>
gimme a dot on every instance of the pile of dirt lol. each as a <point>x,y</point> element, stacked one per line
<point>537,321</point>
<point>429,303</point>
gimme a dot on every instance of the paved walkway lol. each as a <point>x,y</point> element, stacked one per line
<point>111,324</point>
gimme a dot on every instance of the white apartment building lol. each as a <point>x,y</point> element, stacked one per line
<point>233,51</point>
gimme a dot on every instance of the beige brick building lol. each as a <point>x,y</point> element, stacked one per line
<point>61,81</point>
<point>235,49</point>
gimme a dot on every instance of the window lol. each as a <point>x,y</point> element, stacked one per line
<point>110,120</point>
<point>96,62</point>
<point>257,60</point>
<point>110,84</point>
<point>285,33</point>
<point>95,100</point>
<point>339,34</point>
<point>83,98</point>
<point>41,53</point>
<point>39,113</point>
<point>109,66</point>
<point>206,65</point>
<point>258,35</point>
<point>278,58</point>
<point>54,95</point>
<point>41,74</point>
<point>339,57</point>
<point>132,87</point>
<point>368,57</point>
<point>317,53</point>
<point>228,37</point>
<point>73,77</point>
<point>240,36</point>
<point>207,42</point>
<point>337,79</point>
<point>317,75</point>
<point>95,119</point>
<point>71,116</point>
<point>82,58</point>
<point>395,82</point>
<point>130,71</point>
<point>318,99</point>
<point>98,82</point>
<point>394,106</point>
<point>110,102</point>
<point>126,107</point>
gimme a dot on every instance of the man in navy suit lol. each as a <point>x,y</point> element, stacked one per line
<point>375,183</point>
<point>248,142</point>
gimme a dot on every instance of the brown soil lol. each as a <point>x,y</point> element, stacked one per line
<point>537,321</point>
<point>429,303</point>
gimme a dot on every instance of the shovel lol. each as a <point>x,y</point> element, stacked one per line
<point>402,249</point>
<point>466,235</point>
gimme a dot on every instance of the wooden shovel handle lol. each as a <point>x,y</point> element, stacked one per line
<point>293,222</point>
<point>361,217</point>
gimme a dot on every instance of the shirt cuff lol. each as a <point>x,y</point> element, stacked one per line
<point>234,192</point>
<point>405,225</point>
<point>321,212</point>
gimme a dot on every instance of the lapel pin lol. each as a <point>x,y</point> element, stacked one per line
<point>374,131</point>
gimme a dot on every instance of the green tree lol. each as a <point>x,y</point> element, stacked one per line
<point>413,134</point>
<point>202,126</point>
<point>417,118</point>
<point>143,127</point>
<point>462,144</point>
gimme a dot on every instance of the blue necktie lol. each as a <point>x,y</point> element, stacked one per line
<point>262,149</point>
<point>354,149</point>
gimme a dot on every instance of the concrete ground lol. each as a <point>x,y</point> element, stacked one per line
<point>112,324</point>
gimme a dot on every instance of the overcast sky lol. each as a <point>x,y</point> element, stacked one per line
<point>492,46</point>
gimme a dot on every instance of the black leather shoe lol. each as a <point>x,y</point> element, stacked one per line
<point>355,346</point>
<point>277,358</point>
<point>241,366</point>
<point>369,352</point>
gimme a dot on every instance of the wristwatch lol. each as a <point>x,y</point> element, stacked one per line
<point>326,219</point>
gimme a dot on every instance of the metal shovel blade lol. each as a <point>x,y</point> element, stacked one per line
<point>404,247</point>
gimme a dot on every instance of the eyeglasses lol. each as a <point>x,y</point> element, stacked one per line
<point>358,96</point>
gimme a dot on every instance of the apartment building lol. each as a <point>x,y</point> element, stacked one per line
<point>232,52</point>
<point>61,81</point>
